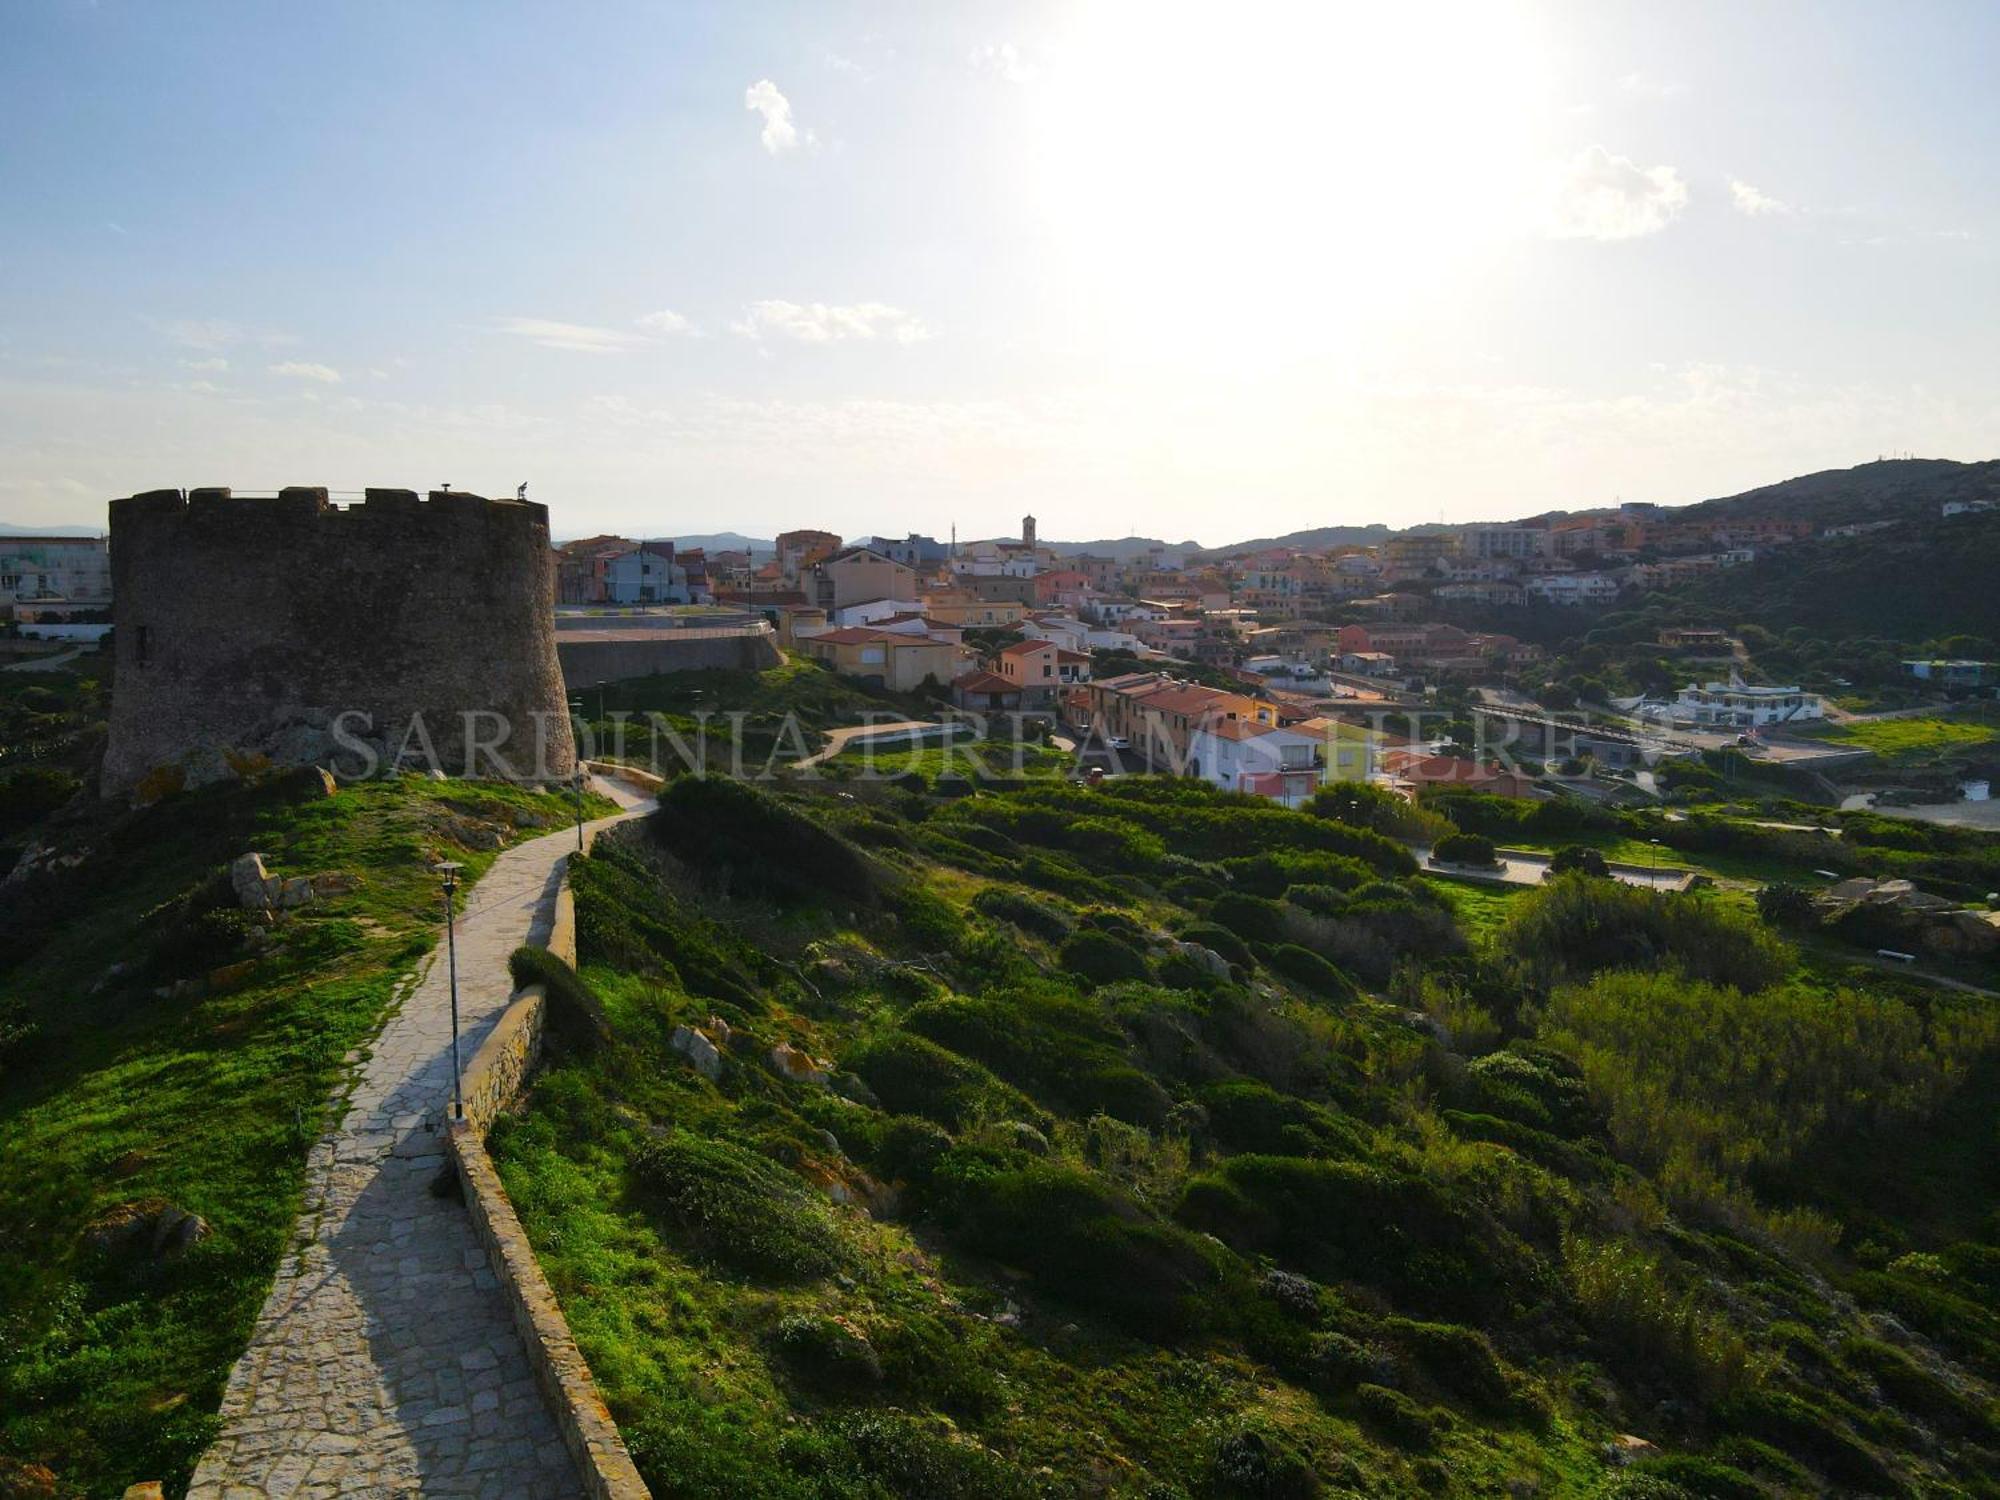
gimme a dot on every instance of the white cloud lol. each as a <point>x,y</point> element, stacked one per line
<point>665,321</point>
<point>1598,196</point>
<point>1749,200</point>
<point>298,369</point>
<point>205,366</point>
<point>577,338</point>
<point>779,133</point>
<point>822,323</point>
<point>1003,60</point>
<point>211,335</point>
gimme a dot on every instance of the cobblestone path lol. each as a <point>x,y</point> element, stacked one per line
<point>385,1361</point>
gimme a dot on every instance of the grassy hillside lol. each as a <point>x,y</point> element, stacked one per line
<point>163,1052</point>
<point>1148,1141</point>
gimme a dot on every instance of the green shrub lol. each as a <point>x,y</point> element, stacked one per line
<point>1465,849</point>
<point>928,919</point>
<point>908,1458</point>
<point>1534,1087</point>
<point>574,1016</point>
<point>1097,958</point>
<point>1034,916</point>
<point>738,1209</point>
<point>1813,1434</point>
<point>1396,1417</point>
<point>734,829</point>
<point>1247,1116</point>
<point>1580,858</point>
<point>1457,1358</point>
<point>827,1355</point>
<point>913,1075</point>
<point>1573,925</point>
<point>1706,1478</point>
<point>32,793</point>
<point>909,1147</point>
<point>1255,919</point>
<point>1090,1245</point>
<point>1303,966</point>
<point>1920,1393</point>
<point>1346,1220</point>
<point>1269,873</point>
<point>1220,940</point>
<point>1257,1463</point>
<point>1785,905</point>
<point>1053,1046</point>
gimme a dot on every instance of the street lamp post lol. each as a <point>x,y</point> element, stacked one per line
<point>576,780</point>
<point>1655,879</point>
<point>448,873</point>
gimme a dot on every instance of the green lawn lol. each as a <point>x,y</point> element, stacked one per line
<point>1909,739</point>
<point>112,1364</point>
<point>962,758</point>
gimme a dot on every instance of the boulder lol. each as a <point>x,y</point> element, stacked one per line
<point>1211,962</point>
<point>255,886</point>
<point>798,1066</point>
<point>145,1490</point>
<point>153,1225</point>
<point>696,1046</point>
<point>1625,1449</point>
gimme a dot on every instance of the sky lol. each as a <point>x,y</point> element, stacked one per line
<point>1138,267</point>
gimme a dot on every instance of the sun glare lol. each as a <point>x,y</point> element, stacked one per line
<point>1268,182</point>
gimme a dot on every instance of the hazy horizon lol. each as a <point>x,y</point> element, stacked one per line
<point>1133,269</point>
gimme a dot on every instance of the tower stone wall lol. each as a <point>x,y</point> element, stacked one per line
<point>291,630</point>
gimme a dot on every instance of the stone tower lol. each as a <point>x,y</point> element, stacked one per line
<point>293,631</point>
<point>1028,532</point>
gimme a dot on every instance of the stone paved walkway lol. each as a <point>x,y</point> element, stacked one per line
<point>385,1361</point>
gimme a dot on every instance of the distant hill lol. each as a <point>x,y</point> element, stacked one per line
<point>8,528</point>
<point>1316,539</point>
<point>1125,549</point>
<point>1885,490</point>
<point>727,541</point>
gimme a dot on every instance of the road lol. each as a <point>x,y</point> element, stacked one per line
<point>385,1360</point>
<point>914,731</point>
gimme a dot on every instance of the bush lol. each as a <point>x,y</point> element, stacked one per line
<point>1458,1359</point>
<point>1396,1417</point>
<point>1034,916</point>
<point>1785,905</point>
<point>574,1016</point>
<point>1247,1116</point>
<point>1087,1243</point>
<point>913,1075</point>
<point>1578,857</point>
<point>908,1458</point>
<point>1255,919</point>
<point>827,1355</point>
<point>32,793</point>
<point>1303,966</point>
<point>1220,940</point>
<point>928,919</point>
<point>1255,1463</point>
<point>1465,849</point>
<point>736,830</point>
<point>1573,925</point>
<point>1347,1220</point>
<point>738,1209</point>
<point>1097,958</point>
<point>1269,874</point>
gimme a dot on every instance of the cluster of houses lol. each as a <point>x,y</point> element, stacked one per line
<point>56,588</point>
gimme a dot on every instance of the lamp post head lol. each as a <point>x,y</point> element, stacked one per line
<point>447,871</point>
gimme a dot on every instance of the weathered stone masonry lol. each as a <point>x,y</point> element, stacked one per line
<point>245,626</point>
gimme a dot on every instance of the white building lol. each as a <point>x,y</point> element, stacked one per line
<point>646,576</point>
<point>69,569</point>
<point>1239,755</point>
<point>1572,589</point>
<point>1504,541</point>
<point>1736,705</point>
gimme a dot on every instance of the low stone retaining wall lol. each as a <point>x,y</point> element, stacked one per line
<point>492,1079</point>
